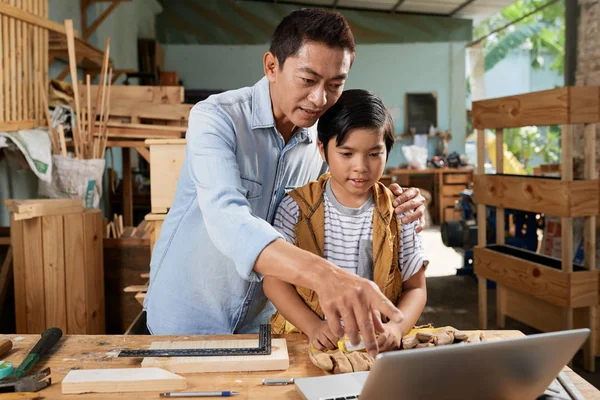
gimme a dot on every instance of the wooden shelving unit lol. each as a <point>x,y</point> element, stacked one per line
<point>544,292</point>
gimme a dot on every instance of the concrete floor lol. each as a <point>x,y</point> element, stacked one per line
<point>452,299</point>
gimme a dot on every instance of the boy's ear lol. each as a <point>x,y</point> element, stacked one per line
<point>270,65</point>
<point>322,150</point>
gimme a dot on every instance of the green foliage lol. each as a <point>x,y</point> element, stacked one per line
<point>532,145</point>
<point>542,33</point>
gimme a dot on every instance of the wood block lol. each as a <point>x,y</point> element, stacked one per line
<point>121,380</point>
<point>573,289</point>
<point>452,190</point>
<point>544,195</point>
<point>165,167</point>
<point>24,209</point>
<point>584,104</point>
<point>135,288</point>
<point>277,360</point>
<point>457,178</point>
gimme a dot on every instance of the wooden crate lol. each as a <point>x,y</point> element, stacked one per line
<point>452,190</point>
<point>537,275</point>
<point>458,178</point>
<point>544,195</point>
<point>59,273</point>
<point>167,156</point>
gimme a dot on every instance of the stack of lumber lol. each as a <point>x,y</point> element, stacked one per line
<point>115,229</point>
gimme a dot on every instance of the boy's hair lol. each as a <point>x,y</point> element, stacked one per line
<point>314,24</point>
<point>356,108</point>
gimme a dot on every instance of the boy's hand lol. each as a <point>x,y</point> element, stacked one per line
<point>412,201</point>
<point>322,338</point>
<point>391,338</point>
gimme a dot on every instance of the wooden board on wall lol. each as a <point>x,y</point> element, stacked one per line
<point>151,94</point>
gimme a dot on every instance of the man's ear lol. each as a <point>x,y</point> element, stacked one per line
<point>322,150</point>
<point>270,65</point>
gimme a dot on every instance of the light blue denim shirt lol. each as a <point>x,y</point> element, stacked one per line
<point>236,171</point>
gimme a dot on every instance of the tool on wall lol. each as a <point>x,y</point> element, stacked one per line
<point>18,380</point>
<point>264,348</point>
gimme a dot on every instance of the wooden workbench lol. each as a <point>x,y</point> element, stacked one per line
<point>100,351</point>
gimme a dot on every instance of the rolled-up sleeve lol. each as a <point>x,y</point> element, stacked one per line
<point>231,225</point>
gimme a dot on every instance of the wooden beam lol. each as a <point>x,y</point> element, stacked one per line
<point>127,189</point>
<point>12,126</point>
<point>460,7</point>
<point>561,106</point>
<point>151,94</point>
<point>87,31</point>
<point>144,110</point>
<point>144,152</point>
<point>546,195</point>
<point>14,12</point>
<point>574,289</point>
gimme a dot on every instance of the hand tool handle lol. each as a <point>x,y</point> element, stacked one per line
<point>49,338</point>
<point>5,346</point>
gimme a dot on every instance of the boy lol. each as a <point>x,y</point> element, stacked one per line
<point>347,217</point>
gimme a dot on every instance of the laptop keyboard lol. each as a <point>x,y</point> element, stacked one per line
<point>352,397</point>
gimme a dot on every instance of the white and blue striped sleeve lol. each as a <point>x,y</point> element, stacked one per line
<point>412,254</point>
<point>286,218</point>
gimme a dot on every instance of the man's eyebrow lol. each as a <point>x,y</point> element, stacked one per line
<point>313,72</point>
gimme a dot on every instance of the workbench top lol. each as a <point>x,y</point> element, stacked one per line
<point>100,351</point>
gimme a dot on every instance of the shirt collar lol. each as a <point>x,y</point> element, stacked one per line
<point>262,111</point>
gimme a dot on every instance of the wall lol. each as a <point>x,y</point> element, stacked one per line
<point>128,22</point>
<point>389,70</point>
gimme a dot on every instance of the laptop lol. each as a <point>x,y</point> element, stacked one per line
<point>519,368</point>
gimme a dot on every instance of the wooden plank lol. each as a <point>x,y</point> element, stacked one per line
<point>6,67</point>
<point>584,104</point>
<point>35,299</point>
<point>13,66</point>
<point>165,141</point>
<point>144,152</point>
<point>500,228</point>
<point>121,380</point>
<point>481,232</point>
<point>149,94</point>
<point>167,160</point>
<point>94,271</point>
<point>147,110</point>
<point>142,133</point>
<point>18,246</point>
<point>12,126</point>
<point>54,271</point>
<point>575,289</point>
<point>277,360</point>
<point>45,64</point>
<point>140,298</point>
<point>545,195</point>
<point>25,63</point>
<point>125,143</point>
<point>26,209</point>
<point>19,61</point>
<point>135,288</point>
<point>155,228</point>
<point>127,188</point>
<point>37,70</point>
<point>11,11</point>
<point>567,176</point>
<point>75,272</point>
<point>534,312</point>
<point>589,237</point>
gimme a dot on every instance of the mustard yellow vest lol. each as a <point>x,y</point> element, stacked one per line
<point>310,236</point>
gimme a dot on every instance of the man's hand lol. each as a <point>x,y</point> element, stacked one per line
<point>322,338</point>
<point>391,338</point>
<point>355,301</point>
<point>409,199</point>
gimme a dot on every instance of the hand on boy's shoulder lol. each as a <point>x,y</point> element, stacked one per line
<point>409,201</point>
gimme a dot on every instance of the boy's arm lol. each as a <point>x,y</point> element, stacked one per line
<point>289,304</point>
<point>412,301</point>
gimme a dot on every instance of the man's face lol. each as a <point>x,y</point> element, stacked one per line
<point>307,85</point>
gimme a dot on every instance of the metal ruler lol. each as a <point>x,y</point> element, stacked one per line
<point>264,348</point>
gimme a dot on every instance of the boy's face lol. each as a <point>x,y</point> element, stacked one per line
<point>308,84</point>
<point>356,165</point>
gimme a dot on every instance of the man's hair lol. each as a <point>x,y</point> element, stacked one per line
<point>314,24</point>
<point>356,108</point>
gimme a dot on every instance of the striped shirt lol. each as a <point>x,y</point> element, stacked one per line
<point>349,236</point>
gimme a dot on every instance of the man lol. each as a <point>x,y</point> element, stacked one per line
<point>245,149</point>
